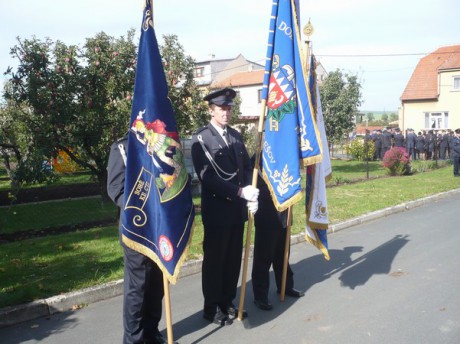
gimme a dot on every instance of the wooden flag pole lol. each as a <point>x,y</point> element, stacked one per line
<point>255,174</point>
<point>287,245</point>
<point>168,311</point>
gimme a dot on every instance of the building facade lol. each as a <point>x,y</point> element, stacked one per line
<point>245,76</point>
<point>431,99</point>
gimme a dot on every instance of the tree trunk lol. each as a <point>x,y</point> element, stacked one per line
<point>102,179</point>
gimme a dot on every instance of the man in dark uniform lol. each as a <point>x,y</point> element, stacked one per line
<point>269,247</point>
<point>429,145</point>
<point>225,172</point>
<point>410,143</point>
<point>456,152</point>
<point>386,141</point>
<point>143,279</point>
<point>443,145</point>
<point>399,138</point>
<point>378,144</point>
<point>420,146</point>
<point>450,137</point>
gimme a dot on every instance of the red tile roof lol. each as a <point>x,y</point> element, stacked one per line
<point>255,77</point>
<point>423,83</point>
<point>361,129</point>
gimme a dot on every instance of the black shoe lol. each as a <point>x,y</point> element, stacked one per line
<point>293,292</point>
<point>218,318</point>
<point>157,339</point>
<point>232,312</point>
<point>263,304</point>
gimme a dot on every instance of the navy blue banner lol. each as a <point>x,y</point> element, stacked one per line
<point>158,213</point>
<point>290,136</point>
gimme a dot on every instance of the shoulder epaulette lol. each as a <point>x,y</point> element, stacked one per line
<point>122,138</point>
<point>199,130</point>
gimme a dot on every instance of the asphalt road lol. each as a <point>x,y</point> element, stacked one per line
<point>393,280</point>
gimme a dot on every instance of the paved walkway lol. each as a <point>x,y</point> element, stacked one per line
<point>187,299</point>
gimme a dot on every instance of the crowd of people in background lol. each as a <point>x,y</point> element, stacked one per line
<point>423,145</point>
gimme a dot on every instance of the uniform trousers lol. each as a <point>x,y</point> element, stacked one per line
<point>456,161</point>
<point>222,250</point>
<point>269,247</point>
<point>142,299</point>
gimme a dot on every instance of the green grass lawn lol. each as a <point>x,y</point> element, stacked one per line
<point>78,178</point>
<point>54,214</point>
<point>42,267</point>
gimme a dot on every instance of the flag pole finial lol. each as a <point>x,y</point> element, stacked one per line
<point>308,30</point>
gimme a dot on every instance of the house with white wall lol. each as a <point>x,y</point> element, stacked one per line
<point>431,99</point>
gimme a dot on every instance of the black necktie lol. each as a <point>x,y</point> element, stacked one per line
<point>224,136</point>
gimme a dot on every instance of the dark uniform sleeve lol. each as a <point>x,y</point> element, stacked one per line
<point>267,213</point>
<point>456,146</point>
<point>116,173</point>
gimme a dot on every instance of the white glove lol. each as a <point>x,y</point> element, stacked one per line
<point>253,206</point>
<point>250,193</point>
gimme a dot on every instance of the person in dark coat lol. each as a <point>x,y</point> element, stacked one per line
<point>410,143</point>
<point>450,137</point>
<point>269,247</point>
<point>377,138</point>
<point>437,146</point>
<point>429,145</point>
<point>399,140</point>
<point>386,141</point>
<point>225,172</point>
<point>456,152</point>
<point>420,146</point>
<point>143,279</point>
<point>443,145</point>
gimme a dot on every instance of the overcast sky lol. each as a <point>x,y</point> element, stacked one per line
<point>396,32</point>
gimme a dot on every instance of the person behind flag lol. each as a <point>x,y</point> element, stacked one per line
<point>224,169</point>
<point>269,246</point>
<point>143,280</point>
<point>456,152</point>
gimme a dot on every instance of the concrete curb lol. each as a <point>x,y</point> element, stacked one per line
<point>46,307</point>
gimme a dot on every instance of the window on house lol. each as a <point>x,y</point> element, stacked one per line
<point>198,72</point>
<point>259,96</point>
<point>436,120</point>
<point>456,83</point>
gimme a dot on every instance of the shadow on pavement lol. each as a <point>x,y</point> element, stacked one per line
<point>315,269</point>
<point>42,328</point>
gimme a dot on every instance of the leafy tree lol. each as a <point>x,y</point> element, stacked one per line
<point>393,117</point>
<point>340,99</point>
<point>71,99</point>
<point>77,100</point>
<point>385,117</point>
<point>12,140</point>
<point>190,109</point>
<point>370,116</point>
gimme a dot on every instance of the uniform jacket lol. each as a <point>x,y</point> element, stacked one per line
<point>444,141</point>
<point>220,203</point>
<point>267,215</point>
<point>116,171</point>
<point>410,140</point>
<point>456,147</point>
<point>399,140</point>
<point>386,140</point>
<point>429,142</point>
<point>420,143</point>
<point>377,141</point>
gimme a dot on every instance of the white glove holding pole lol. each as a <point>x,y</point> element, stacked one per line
<point>253,206</point>
<point>249,193</point>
